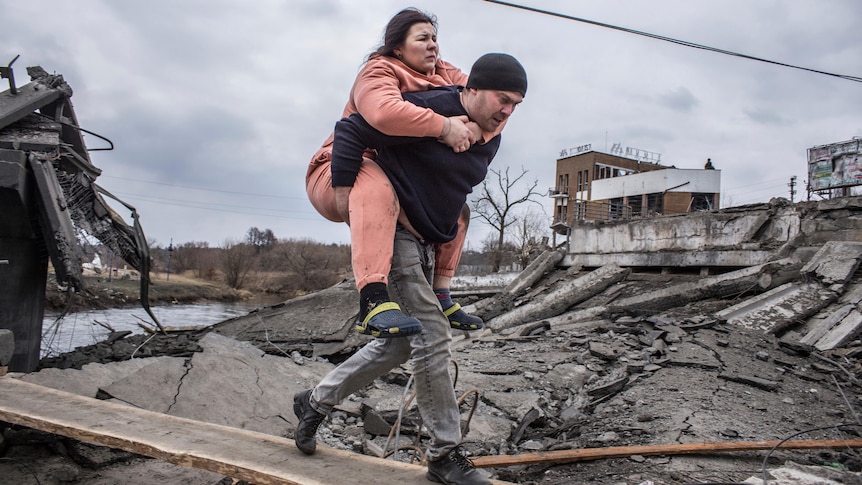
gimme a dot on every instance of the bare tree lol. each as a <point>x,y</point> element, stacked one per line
<point>496,205</point>
<point>312,265</point>
<point>237,261</point>
<point>495,255</point>
<point>260,240</point>
<point>528,239</point>
<point>195,256</point>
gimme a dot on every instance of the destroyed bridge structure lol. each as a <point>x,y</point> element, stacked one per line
<point>51,205</point>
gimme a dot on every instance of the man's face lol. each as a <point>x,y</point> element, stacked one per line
<point>490,108</point>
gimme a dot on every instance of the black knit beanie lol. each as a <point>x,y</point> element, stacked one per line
<point>501,72</point>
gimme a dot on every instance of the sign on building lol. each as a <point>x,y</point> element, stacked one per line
<point>835,165</point>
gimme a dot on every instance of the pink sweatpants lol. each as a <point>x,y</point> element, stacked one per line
<point>374,211</point>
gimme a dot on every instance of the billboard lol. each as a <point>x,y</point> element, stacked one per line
<point>835,165</point>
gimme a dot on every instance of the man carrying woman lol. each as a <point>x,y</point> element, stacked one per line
<point>408,60</point>
<point>431,182</point>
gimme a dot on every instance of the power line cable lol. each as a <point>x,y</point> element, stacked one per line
<point>174,204</point>
<point>203,204</point>
<point>674,41</point>
<point>202,188</point>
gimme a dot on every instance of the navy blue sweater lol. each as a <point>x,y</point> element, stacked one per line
<point>432,182</point>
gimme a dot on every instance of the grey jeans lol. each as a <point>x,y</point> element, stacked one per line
<point>428,351</point>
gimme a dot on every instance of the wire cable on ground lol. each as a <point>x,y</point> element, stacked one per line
<point>763,471</point>
<point>406,401</point>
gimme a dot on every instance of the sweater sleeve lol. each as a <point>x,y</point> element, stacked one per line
<point>377,94</point>
<point>351,137</point>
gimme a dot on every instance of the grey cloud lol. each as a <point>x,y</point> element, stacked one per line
<point>766,117</point>
<point>679,99</point>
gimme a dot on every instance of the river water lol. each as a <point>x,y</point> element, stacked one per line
<point>90,326</point>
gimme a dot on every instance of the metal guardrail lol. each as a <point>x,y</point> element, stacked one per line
<point>586,210</point>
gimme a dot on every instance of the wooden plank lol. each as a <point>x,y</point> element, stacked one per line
<point>588,454</point>
<point>246,455</point>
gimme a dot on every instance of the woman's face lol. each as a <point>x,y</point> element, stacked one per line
<point>419,50</point>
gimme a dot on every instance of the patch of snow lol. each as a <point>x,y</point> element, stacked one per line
<point>494,280</point>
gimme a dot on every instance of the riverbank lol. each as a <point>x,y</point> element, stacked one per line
<point>101,293</point>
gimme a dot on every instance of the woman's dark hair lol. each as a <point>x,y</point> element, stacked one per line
<point>397,28</point>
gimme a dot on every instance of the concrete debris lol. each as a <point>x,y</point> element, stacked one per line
<point>755,278</point>
<point>299,324</point>
<point>563,296</point>
<point>502,300</point>
<point>794,474</point>
<point>834,263</point>
<point>780,307</point>
<point>837,324</point>
<point>574,357</point>
<point>764,384</point>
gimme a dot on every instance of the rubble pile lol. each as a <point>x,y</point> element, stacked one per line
<point>595,359</point>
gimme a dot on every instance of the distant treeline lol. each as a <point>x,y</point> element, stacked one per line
<point>261,262</point>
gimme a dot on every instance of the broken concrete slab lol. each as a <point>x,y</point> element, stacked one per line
<point>154,388</point>
<point>824,321</point>
<point>514,403</point>
<point>561,298</point>
<point>499,303</point>
<point>847,329</point>
<point>670,240</point>
<point>568,376</point>
<point>831,316</point>
<point>90,378</point>
<point>762,277</point>
<point>489,425</point>
<point>254,391</point>
<point>320,322</point>
<point>780,307</point>
<point>834,263</point>
<point>605,351</point>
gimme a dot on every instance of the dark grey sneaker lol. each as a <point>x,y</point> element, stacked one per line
<point>309,421</point>
<point>455,469</point>
<point>461,320</point>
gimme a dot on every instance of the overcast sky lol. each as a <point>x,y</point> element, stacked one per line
<point>215,107</point>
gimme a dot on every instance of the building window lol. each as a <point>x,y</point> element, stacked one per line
<point>636,205</point>
<point>655,203</point>
<point>702,202</point>
<point>616,209</point>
